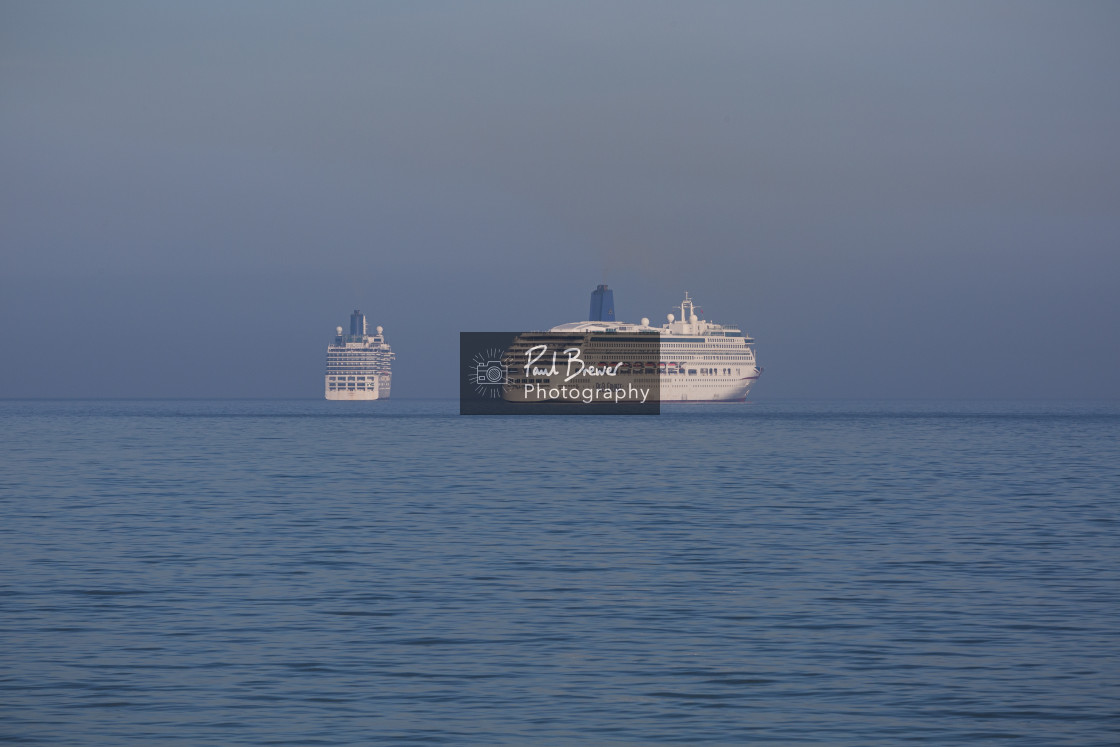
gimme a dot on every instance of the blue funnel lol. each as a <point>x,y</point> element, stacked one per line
<point>357,323</point>
<point>602,304</point>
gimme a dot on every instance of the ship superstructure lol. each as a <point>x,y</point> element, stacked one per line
<point>700,361</point>
<point>359,364</point>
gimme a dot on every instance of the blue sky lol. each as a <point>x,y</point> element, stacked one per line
<point>896,200</point>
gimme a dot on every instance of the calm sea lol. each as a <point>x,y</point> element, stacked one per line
<point>314,573</point>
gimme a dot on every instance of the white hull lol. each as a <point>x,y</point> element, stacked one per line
<point>716,390</point>
<point>695,389</point>
<point>352,396</point>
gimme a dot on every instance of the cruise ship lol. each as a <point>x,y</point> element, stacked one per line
<point>359,365</point>
<point>700,361</point>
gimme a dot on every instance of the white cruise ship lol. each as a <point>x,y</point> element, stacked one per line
<point>359,365</point>
<point>701,361</point>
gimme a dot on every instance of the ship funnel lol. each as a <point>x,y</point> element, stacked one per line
<point>357,323</point>
<point>602,304</point>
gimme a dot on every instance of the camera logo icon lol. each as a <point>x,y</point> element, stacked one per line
<point>487,373</point>
<point>490,372</point>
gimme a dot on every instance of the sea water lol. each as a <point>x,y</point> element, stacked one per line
<point>322,573</point>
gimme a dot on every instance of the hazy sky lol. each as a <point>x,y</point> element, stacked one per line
<point>895,199</point>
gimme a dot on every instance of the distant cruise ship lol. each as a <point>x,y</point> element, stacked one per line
<point>359,365</point>
<point>701,361</point>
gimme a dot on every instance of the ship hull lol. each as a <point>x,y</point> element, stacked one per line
<point>705,391</point>
<point>352,395</point>
<point>698,389</point>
